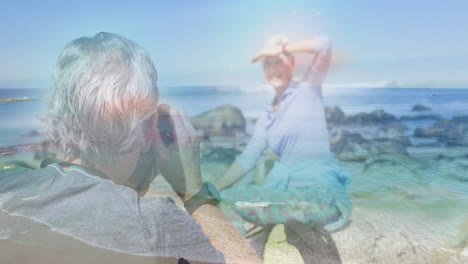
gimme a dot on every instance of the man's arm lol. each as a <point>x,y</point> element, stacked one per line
<point>223,235</point>
<point>179,163</point>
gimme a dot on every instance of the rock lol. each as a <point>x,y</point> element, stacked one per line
<point>421,117</point>
<point>219,154</point>
<point>375,118</point>
<point>224,120</point>
<point>7,151</point>
<point>419,107</point>
<point>451,132</point>
<point>456,131</point>
<point>353,146</point>
<point>213,171</point>
<point>457,177</point>
<point>398,126</point>
<point>215,162</point>
<point>392,146</point>
<point>44,151</point>
<point>428,132</point>
<point>393,133</point>
<point>334,115</point>
<point>454,169</point>
<point>19,99</point>
<point>32,133</point>
<point>41,150</point>
<point>350,146</point>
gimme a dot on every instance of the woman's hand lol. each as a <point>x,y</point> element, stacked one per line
<point>269,51</point>
<point>179,162</point>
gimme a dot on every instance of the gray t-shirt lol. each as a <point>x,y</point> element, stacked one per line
<point>104,214</point>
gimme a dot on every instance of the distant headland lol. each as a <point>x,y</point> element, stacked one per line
<point>18,99</point>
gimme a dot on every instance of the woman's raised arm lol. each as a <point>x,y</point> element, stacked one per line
<point>309,45</point>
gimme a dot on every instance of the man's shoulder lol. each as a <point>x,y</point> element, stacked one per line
<point>175,230</point>
<point>19,177</point>
<point>104,214</point>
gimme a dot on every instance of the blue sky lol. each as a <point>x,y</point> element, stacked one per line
<point>376,43</point>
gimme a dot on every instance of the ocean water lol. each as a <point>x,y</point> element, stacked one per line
<point>406,210</point>
<point>19,118</point>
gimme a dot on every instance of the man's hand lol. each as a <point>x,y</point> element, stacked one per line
<point>180,166</point>
<point>179,162</point>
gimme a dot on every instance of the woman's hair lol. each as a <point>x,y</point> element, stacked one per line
<point>275,40</point>
<point>103,89</point>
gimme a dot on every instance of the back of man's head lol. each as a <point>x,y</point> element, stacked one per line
<point>103,89</point>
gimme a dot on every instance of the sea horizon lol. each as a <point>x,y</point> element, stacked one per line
<point>20,118</point>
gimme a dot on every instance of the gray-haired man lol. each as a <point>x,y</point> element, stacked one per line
<point>103,118</point>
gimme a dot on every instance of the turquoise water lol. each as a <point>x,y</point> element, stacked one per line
<point>19,118</point>
<point>406,209</point>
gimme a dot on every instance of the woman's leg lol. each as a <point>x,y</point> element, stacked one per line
<point>233,205</point>
<point>262,206</point>
<point>313,242</point>
<point>304,210</point>
<point>259,239</point>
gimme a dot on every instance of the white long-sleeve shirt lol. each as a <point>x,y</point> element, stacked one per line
<point>298,130</point>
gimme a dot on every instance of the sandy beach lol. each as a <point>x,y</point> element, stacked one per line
<point>27,241</point>
<point>408,189</point>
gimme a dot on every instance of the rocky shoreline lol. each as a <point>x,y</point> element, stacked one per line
<point>223,134</point>
<point>393,182</point>
<point>394,179</point>
<point>16,99</point>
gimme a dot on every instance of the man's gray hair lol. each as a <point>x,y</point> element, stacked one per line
<point>103,89</point>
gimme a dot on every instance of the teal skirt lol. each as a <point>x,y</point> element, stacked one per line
<point>311,192</point>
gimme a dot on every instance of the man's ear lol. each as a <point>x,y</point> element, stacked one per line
<point>149,129</point>
<point>147,147</point>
